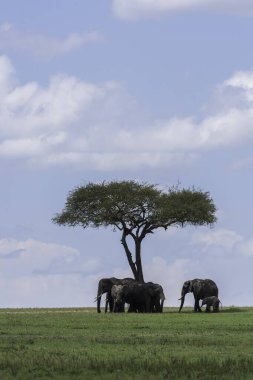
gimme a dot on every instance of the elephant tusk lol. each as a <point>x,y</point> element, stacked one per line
<point>100,295</point>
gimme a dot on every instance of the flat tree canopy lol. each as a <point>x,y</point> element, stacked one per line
<point>136,210</point>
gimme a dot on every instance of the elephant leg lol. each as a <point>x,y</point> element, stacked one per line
<point>154,306</point>
<point>196,306</point>
<point>116,307</point>
<point>140,307</point>
<point>111,304</point>
<point>158,307</point>
<point>148,306</point>
<point>131,308</point>
<point>121,308</point>
<point>216,308</point>
<point>136,308</point>
<point>208,308</point>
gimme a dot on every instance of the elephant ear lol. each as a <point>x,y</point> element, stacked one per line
<point>151,291</point>
<point>157,288</point>
<point>191,287</point>
<point>106,284</point>
<point>125,290</point>
<point>196,286</point>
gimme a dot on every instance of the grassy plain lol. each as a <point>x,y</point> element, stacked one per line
<point>81,344</point>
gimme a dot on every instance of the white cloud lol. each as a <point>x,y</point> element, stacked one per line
<point>38,274</point>
<point>100,127</point>
<point>224,242</point>
<point>219,237</point>
<point>41,45</point>
<point>170,276</point>
<point>53,290</point>
<point>7,75</point>
<point>135,9</point>
<point>241,79</point>
<point>36,257</point>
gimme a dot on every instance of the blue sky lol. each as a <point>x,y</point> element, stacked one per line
<point>158,91</point>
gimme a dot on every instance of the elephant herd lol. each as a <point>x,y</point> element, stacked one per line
<point>141,297</point>
<point>149,297</point>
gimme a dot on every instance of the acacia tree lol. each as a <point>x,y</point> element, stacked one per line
<point>136,210</point>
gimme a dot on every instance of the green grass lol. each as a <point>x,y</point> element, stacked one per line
<point>81,344</point>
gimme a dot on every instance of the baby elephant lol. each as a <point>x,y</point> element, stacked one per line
<point>211,301</point>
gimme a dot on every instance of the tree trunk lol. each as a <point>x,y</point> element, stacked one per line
<point>137,266</point>
<point>129,256</point>
<point>138,260</point>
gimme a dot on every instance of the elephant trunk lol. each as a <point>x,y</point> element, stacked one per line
<point>98,303</point>
<point>182,301</point>
<point>99,295</point>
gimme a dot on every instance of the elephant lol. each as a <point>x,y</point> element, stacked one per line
<point>117,307</point>
<point>157,298</point>
<point>105,286</point>
<point>141,297</point>
<point>200,289</point>
<point>212,301</point>
<point>137,296</point>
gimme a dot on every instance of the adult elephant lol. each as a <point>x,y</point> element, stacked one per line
<point>105,285</point>
<point>157,297</point>
<point>200,289</point>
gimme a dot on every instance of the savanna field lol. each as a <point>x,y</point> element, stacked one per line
<point>81,344</point>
